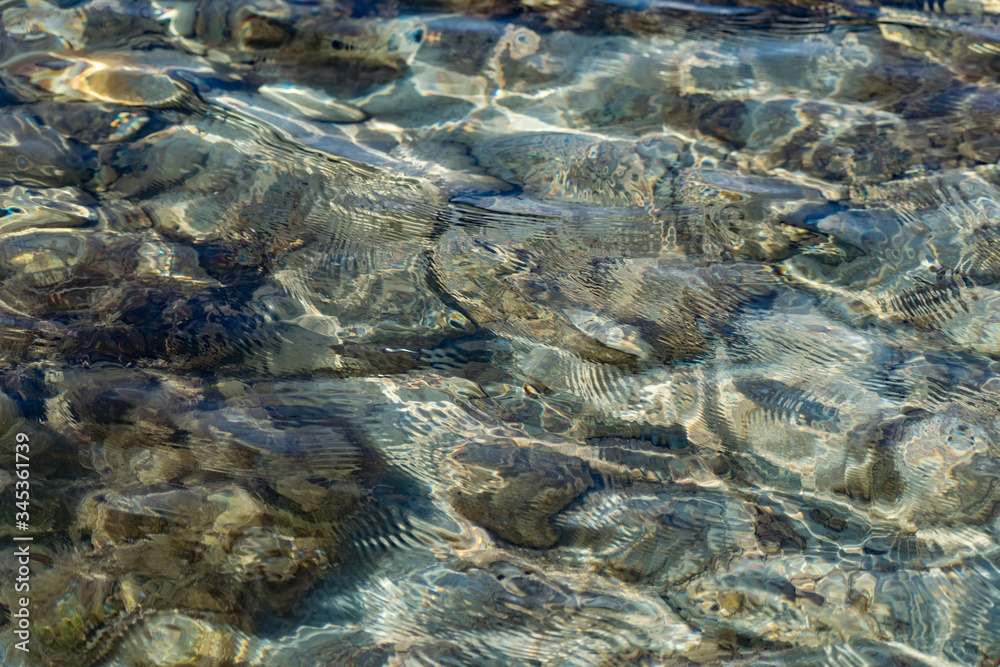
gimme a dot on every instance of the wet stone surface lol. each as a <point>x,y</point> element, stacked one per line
<point>501,332</point>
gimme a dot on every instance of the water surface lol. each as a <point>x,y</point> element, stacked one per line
<point>502,332</point>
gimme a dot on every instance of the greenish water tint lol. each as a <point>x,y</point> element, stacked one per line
<point>501,332</point>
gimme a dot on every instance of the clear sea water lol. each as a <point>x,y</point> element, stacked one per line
<point>501,332</point>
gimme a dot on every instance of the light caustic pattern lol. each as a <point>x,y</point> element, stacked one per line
<point>501,332</point>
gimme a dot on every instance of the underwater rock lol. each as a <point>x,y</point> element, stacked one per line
<point>109,78</point>
<point>575,168</point>
<point>34,155</point>
<point>515,490</point>
<point>92,24</point>
<point>641,534</point>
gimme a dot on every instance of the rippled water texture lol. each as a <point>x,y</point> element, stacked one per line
<point>502,332</point>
